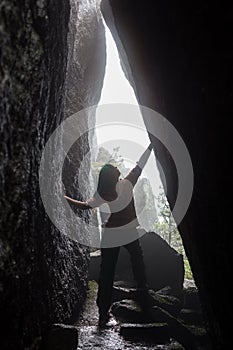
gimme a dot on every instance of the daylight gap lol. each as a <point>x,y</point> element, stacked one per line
<point>117,89</point>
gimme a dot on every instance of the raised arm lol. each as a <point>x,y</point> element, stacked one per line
<point>136,171</point>
<point>144,157</point>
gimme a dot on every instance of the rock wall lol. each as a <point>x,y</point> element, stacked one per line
<point>180,64</point>
<point>84,80</point>
<point>43,273</point>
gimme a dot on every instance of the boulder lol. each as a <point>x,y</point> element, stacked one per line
<point>166,302</point>
<point>164,265</point>
<point>61,337</point>
<point>130,311</point>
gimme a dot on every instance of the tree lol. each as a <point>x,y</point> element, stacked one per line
<point>166,224</point>
<point>167,229</point>
<point>144,201</point>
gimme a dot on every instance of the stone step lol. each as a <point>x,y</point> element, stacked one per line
<point>168,302</point>
<point>157,333</point>
<point>191,317</point>
<point>129,311</point>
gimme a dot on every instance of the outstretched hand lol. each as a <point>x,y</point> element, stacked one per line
<point>150,146</point>
<point>145,156</point>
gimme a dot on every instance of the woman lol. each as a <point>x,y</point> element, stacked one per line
<point>120,227</point>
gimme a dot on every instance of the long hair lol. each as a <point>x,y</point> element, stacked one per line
<point>108,179</point>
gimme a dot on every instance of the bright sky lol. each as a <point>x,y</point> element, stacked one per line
<point>132,141</point>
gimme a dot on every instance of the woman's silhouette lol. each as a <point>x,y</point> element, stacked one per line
<point>120,227</point>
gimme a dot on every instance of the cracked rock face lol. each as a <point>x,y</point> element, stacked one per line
<point>43,273</point>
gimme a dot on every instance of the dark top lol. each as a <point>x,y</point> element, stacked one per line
<point>123,208</point>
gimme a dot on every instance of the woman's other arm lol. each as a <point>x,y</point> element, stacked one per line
<point>79,204</point>
<point>89,204</point>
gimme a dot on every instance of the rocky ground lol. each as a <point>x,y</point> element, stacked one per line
<point>170,322</point>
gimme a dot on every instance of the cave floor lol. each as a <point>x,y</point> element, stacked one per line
<point>90,337</point>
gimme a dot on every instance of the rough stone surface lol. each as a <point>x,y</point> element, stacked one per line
<point>61,337</point>
<point>177,329</point>
<point>43,273</point>
<point>190,316</point>
<point>86,58</point>
<point>168,302</point>
<point>130,311</point>
<point>192,299</point>
<point>180,64</point>
<point>164,266</point>
<point>84,80</point>
<point>92,338</point>
<point>156,332</point>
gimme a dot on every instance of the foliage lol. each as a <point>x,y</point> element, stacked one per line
<point>167,229</point>
<point>187,269</point>
<point>145,204</point>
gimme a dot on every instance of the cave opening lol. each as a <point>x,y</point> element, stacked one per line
<point>111,147</point>
<point>52,66</point>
